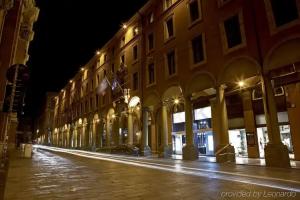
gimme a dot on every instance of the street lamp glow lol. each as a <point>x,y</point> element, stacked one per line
<point>71,81</point>
<point>98,52</point>
<point>241,83</point>
<point>113,116</point>
<point>82,69</point>
<point>124,26</point>
<point>176,101</point>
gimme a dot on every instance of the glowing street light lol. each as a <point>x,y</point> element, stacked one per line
<point>241,83</point>
<point>176,101</point>
<point>124,26</point>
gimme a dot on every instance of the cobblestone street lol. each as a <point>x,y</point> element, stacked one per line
<point>54,175</point>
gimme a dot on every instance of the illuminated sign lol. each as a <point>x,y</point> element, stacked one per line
<point>203,113</point>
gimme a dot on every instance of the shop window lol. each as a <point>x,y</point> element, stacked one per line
<point>233,31</point>
<point>135,81</point>
<point>135,52</point>
<point>150,41</point>
<point>169,28</point>
<point>151,74</point>
<point>284,11</point>
<point>194,8</point>
<point>198,50</point>
<point>171,63</point>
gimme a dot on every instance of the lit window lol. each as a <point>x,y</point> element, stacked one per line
<point>284,11</point>
<point>194,10</point>
<point>233,31</point>
<point>151,73</point>
<point>198,51</point>
<point>171,63</point>
<point>169,28</point>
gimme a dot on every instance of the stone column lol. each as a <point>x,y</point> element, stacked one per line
<point>165,150</point>
<point>189,151</point>
<point>108,132</point>
<point>12,131</point>
<point>220,127</point>
<point>293,99</point>
<point>116,131</point>
<point>146,151</point>
<point>276,154</point>
<point>250,126</point>
<point>130,127</point>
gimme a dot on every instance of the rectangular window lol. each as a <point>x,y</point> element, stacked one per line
<point>113,68</point>
<point>105,57</point>
<point>198,51</point>
<point>284,11</point>
<point>171,63</point>
<point>233,31</point>
<point>169,28</point>
<point>168,3</point>
<point>135,81</point>
<point>123,41</point>
<point>135,52</point>
<point>194,10</point>
<point>150,18</point>
<point>150,41</point>
<point>123,59</point>
<point>151,73</point>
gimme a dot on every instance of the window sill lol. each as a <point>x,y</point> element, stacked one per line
<point>194,23</point>
<point>168,40</point>
<point>197,65</point>
<point>151,85</point>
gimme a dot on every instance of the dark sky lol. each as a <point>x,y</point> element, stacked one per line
<point>67,34</point>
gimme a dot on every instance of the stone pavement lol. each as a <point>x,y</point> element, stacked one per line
<point>53,175</point>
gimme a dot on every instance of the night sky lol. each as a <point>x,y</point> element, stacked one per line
<point>67,34</point>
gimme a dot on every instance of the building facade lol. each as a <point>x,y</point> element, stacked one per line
<point>16,22</point>
<point>192,77</point>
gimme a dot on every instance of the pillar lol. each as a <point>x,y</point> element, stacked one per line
<point>250,125</point>
<point>276,154</point>
<point>12,131</point>
<point>108,132</point>
<point>130,128</point>
<point>146,151</point>
<point>165,150</point>
<point>293,99</point>
<point>190,152</point>
<point>115,131</point>
<point>223,150</point>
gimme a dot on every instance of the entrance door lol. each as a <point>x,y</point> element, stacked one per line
<point>238,139</point>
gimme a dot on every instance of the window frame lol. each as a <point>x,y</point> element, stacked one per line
<point>204,61</point>
<point>167,37</point>
<point>167,75</point>
<point>271,18</point>
<point>243,43</point>
<point>199,12</point>
<point>148,74</point>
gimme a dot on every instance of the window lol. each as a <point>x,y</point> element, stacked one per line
<point>91,103</point>
<point>233,31</point>
<point>284,11</point>
<point>135,81</point>
<point>150,18</point>
<point>194,10</point>
<point>135,31</point>
<point>169,28</point>
<point>135,52</point>
<point>113,51</point>
<point>97,100</point>
<point>171,63</point>
<point>123,59</point>
<point>151,73</point>
<point>168,3</point>
<point>113,68</point>
<point>123,41</point>
<point>198,51</point>
<point>150,41</point>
